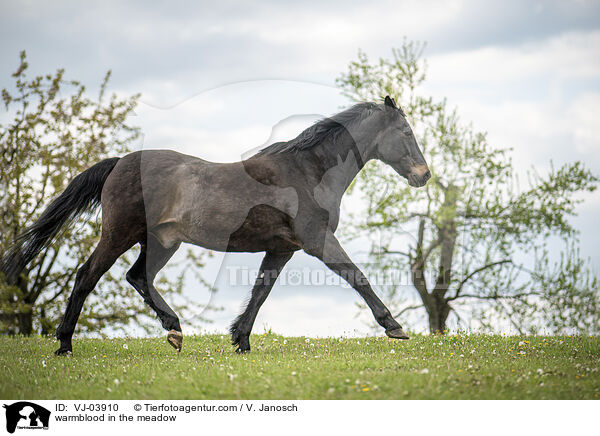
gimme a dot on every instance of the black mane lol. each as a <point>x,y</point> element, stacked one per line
<point>327,128</point>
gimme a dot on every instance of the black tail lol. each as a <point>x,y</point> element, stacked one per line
<point>82,194</point>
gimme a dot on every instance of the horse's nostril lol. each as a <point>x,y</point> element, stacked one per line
<point>427,175</point>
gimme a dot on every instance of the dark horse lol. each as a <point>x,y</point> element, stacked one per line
<point>283,199</point>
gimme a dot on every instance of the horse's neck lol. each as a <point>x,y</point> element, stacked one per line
<point>340,165</point>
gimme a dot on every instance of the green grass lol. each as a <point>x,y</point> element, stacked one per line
<point>425,367</point>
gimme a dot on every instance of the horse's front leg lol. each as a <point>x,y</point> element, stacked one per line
<point>333,255</point>
<point>270,268</point>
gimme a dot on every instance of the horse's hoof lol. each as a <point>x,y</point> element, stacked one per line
<point>397,333</point>
<point>240,350</point>
<point>175,338</point>
<point>63,352</point>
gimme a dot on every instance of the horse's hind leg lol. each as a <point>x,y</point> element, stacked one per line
<point>153,257</point>
<point>104,256</point>
<point>270,268</point>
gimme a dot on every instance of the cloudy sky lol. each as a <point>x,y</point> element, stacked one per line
<point>217,79</point>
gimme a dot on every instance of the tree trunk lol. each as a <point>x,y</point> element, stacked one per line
<point>447,234</point>
<point>25,323</point>
<point>20,319</point>
<point>437,311</point>
<point>435,303</point>
<point>45,323</point>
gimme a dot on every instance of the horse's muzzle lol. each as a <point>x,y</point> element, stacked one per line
<point>418,180</point>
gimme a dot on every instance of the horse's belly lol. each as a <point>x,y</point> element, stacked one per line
<point>264,229</point>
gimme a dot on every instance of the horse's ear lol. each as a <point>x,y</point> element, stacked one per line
<point>390,102</point>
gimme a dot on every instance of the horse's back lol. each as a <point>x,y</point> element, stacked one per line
<point>139,184</point>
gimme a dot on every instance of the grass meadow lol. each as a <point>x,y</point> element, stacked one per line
<point>425,367</point>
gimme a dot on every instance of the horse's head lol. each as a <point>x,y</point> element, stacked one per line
<point>397,146</point>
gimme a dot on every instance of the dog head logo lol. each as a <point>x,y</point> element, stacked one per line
<point>26,415</point>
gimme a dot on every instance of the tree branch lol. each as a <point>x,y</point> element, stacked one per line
<point>429,249</point>
<point>406,309</point>
<point>494,297</point>
<point>470,276</point>
<point>402,253</point>
<point>61,289</point>
<point>417,266</point>
<point>40,280</point>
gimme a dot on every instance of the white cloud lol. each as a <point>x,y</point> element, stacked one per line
<point>573,55</point>
<point>583,113</point>
<point>352,26</point>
